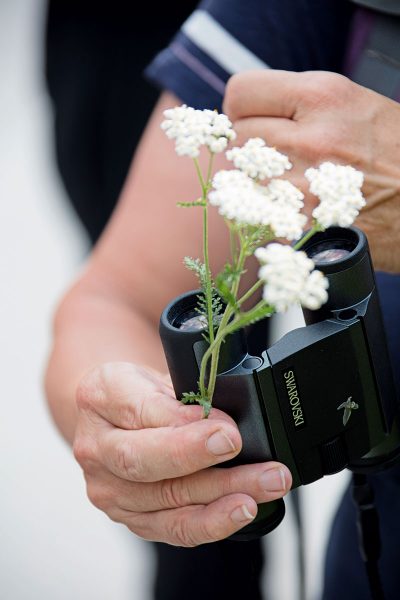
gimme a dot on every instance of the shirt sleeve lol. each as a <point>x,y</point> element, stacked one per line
<point>223,37</point>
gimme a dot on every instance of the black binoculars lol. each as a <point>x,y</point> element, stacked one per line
<point>319,400</point>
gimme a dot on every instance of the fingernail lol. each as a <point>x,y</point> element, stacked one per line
<point>219,443</point>
<point>241,514</point>
<point>273,480</point>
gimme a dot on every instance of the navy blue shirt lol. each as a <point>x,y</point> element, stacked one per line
<point>226,36</point>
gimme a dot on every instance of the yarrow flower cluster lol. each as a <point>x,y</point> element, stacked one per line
<point>289,278</point>
<point>192,128</point>
<point>339,189</point>
<point>258,206</point>
<point>240,199</point>
<point>258,160</point>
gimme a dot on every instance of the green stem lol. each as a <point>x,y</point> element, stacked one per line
<point>214,353</point>
<point>208,290</point>
<point>314,229</point>
<point>209,170</point>
<point>261,309</point>
<point>232,240</point>
<point>208,353</point>
<point>246,318</point>
<point>200,176</point>
<point>213,372</point>
<point>250,292</point>
<point>213,350</point>
<point>206,258</point>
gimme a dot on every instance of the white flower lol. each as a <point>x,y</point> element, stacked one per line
<point>191,129</point>
<point>258,160</point>
<point>239,198</point>
<point>314,293</point>
<point>339,189</point>
<point>287,200</point>
<point>289,278</point>
<point>223,179</point>
<point>283,190</point>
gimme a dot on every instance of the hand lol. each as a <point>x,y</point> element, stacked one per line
<point>147,460</point>
<point>317,116</point>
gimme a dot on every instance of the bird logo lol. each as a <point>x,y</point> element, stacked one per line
<point>348,406</point>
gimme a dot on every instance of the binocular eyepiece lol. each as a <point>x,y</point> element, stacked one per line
<point>320,399</point>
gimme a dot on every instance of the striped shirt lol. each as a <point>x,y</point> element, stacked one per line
<point>223,37</point>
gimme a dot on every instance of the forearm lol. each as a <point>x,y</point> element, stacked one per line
<point>136,268</point>
<point>90,329</point>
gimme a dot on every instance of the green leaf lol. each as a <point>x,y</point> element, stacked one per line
<point>199,202</point>
<point>196,398</point>
<point>225,293</point>
<point>199,268</point>
<point>229,275</point>
<point>252,316</point>
<point>216,305</point>
<point>190,397</point>
<point>256,236</point>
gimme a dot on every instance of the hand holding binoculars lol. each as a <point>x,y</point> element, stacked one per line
<point>322,398</point>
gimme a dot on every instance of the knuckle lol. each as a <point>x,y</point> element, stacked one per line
<point>174,493</point>
<point>323,88</point>
<point>109,374</point>
<point>90,390</point>
<point>118,381</point>
<point>84,452</point>
<point>321,143</point>
<point>99,495</point>
<point>113,385</point>
<point>227,482</point>
<point>115,516</point>
<point>127,462</point>
<point>113,375</point>
<point>181,533</point>
<point>130,415</point>
<point>233,94</point>
<point>141,527</point>
<point>242,132</point>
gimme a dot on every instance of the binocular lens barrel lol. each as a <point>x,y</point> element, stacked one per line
<point>334,245</point>
<point>343,256</point>
<point>181,332</point>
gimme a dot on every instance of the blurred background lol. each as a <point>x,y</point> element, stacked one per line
<point>54,544</point>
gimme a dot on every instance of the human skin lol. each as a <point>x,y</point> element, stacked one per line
<point>147,459</point>
<point>318,116</point>
<point>145,456</point>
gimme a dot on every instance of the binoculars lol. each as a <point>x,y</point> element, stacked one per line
<point>319,400</point>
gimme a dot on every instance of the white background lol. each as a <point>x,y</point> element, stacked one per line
<point>53,543</point>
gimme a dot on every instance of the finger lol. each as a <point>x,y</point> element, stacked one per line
<point>273,93</point>
<point>195,525</point>
<point>165,452</point>
<point>263,482</point>
<point>277,132</point>
<point>300,142</point>
<point>285,94</point>
<point>130,397</point>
